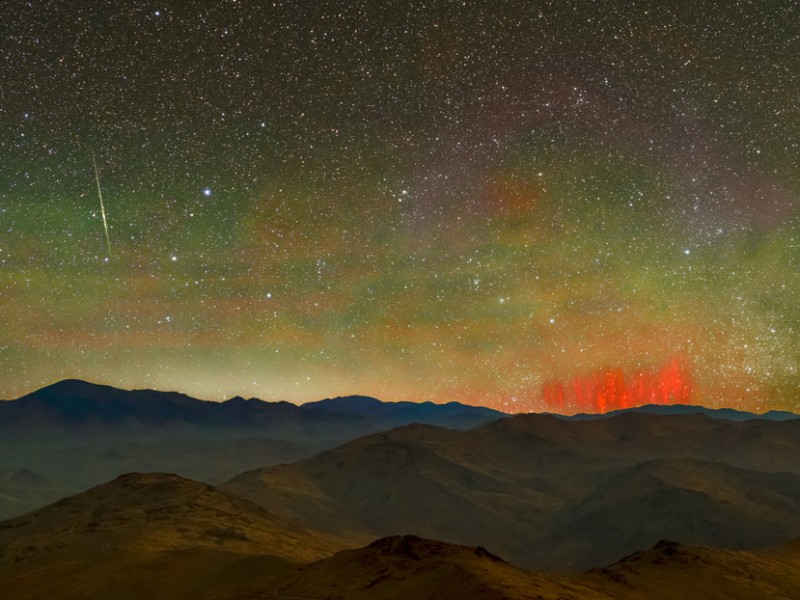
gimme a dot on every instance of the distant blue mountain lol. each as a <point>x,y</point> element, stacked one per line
<point>76,403</point>
<point>728,414</point>
<point>79,434</point>
<point>453,414</point>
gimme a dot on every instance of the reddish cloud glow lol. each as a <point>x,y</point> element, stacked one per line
<point>612,389</point>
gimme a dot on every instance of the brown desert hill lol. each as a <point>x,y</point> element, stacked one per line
<point>166,538</point>
<point>419,478</point>
<point>401,567</point>
<point>154,512</point>
<point>143,527</point>
<point>544,491</point>
<point>673,571</point>
<point>409,567</point>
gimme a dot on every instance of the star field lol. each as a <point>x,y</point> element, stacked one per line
<point>417,200</point>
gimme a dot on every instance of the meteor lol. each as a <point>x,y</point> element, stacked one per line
<point>102,206</point>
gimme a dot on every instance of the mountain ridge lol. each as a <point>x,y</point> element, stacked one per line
<point>78,434</point>
<point>71,399</point>
<point>730,414</point>
<point>541,491</point>
<point>69,390</point>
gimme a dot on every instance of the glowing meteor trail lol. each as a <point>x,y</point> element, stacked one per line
<point>102,206</point>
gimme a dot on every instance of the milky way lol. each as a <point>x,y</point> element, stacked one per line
<point>478,201</point>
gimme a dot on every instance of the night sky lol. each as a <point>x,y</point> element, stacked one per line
<point>439,200</point>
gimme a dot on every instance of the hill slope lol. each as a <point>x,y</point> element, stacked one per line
<point>149,534</point>
<point>167,538</point>
<point>410,567</point>
<point>77,434</point>
<point>547,492</point>
<point>156,512</point>
<point>672,571</point>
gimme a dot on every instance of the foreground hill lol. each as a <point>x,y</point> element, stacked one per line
<point>163,537</point>
<point>672,571</point>
<point>148,534</point>
<point>75,434</point>
<point>543,491</point>
<point>156,512</point>
<point>410,567</point>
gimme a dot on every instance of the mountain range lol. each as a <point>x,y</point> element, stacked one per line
<point>548,492</point>
<point>72,435</point>
<point>167,538</point>
<point>77,406</point>
<point>728,414</point>
<point>391,500</point>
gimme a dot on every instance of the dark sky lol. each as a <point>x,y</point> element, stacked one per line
<point>414,200</point>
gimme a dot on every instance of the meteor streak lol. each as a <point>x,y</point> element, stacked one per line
<point>102,206</point>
